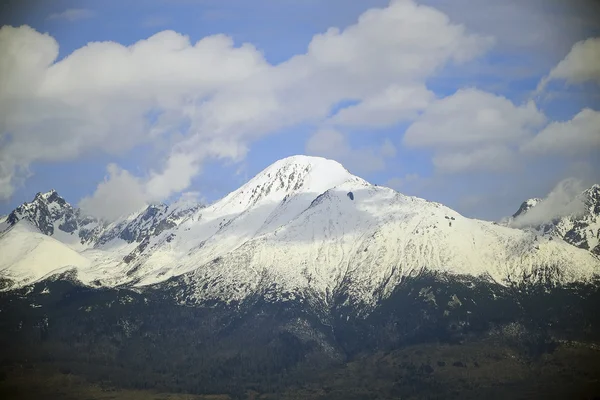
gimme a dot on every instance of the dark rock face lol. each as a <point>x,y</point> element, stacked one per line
<point>526,206</point>
<point>54,198</point>
<point>147,224</point>
<point>154,220</point>
<point>577,235</point>
<point>69,225</point>
<point>47,212</point>
<point>581,230</point>
<point>136,252</point>
<point>350,195</point>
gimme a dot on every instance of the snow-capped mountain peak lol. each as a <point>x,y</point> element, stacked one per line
<point>303,226</point>
<point>579,227</point>
<point>48,212</point>
<point>52,193</point>
<point>591,197</point>
<point>287,177</point>
<point>53,216</point>
<point>526,206</point>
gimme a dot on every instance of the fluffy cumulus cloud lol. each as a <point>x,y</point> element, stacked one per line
<point>121,193</point>
<point>331,143</point>
<point>174,178</point>
<point>474,130</point>
<point>119,187</point>
<point>578,136</point>
<point>386,108</point>
<point>400,42</point>
<point>100,97</point>
<point>543,27</point>
<point>582,64</point>
<point>399,45</point>
<point>211,99</point>
<point>492,158</point>
<point>563,200</point>
<point>471,117</point>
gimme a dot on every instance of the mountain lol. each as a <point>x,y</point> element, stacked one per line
<point>302,228</point>
<point>526,206</point>
<point>53,216</point>
<point>305,283</point>
<point>33,255</point>
<point>580,229</point>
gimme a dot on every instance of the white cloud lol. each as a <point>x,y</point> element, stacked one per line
<point>99,98</point>
<point>392,105</point>
<point>122,193</point>
<point>331,143</point>
<point>580,135</point>
<point>472,129</point>
<point>402,40</point>
<point>180,167</point>
<point>73,14</point>
<point>119,194</point>
<point>563,200</point>
<point>401,44</point>
<point>582,64</point>
<point>328,142</point>
<point>388,150</point>
<point>541,30</point>
<point>189,199</point>
<point>27,54</point>
<point>471,117</point>
<point>492,158</point>
<point>174,178</point>
<point>399,183</point>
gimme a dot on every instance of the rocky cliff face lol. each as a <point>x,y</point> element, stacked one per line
<point>55,217</point>
<point>48,212</point>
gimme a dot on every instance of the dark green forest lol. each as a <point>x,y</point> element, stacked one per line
<point>435,337</point>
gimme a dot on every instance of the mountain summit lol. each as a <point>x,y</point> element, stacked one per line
<point>291,176</point>
<point>303,228</point>
<point>581,229</point>
<point>47,211</point>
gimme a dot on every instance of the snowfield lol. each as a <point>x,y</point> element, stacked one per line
<point>28,255</point>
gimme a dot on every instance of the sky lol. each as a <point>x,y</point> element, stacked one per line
<point>478,105</point>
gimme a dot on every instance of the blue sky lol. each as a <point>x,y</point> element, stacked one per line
<point>439,99</point>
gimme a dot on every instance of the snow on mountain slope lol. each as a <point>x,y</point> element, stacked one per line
<point>28,254</point>
<point>366,246</point>
<point>53,216</point>
<point>581,230</point>
<point>271,199</point>
<point>306,227</point>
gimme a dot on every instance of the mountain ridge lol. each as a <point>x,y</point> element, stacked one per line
<point>581,228</point>
<point>304,227</point>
